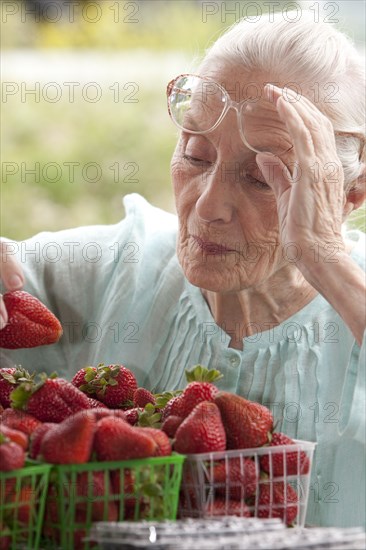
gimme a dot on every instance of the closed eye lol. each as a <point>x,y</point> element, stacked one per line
<point>256,183</point>
<point>195,160</point>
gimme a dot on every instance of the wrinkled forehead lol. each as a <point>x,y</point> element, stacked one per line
<point>239,83</point>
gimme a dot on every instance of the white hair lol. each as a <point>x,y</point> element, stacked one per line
<point>320,60</point>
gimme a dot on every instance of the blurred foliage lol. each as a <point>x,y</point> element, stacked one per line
<point>136,139</point>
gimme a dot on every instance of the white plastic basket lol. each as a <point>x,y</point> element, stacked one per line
<point>220,483</point>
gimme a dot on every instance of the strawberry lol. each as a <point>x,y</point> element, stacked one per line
<point>83,376</point>
<point>143,396</point>
<point>50,400</point>
<point>103,412</point>
<point>127,478</point>
<point>164,447</point>
<point>195,393</point>
<point>19,420</point>
<point>246,423</point>
<point>171,424</point>
<point>12,456</point>
<point>284,462</point>
<point>95,404</point>
<point>5,537</point>
<point>278,500</point>
<point>10,378</point>
<point>172,408</point>
<point>37,438</point>
<point>115,439</point>
<point>237,477</point>
<point>132,415</point>
<point>202,431</point>
<point>30,323</point>
<point>90,489</point>
<point>69,442</point>
<point>25,502</point>
<point>114,385</point>
<point>222,507</point>
<point>15,435</point>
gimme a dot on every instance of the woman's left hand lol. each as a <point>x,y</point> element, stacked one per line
<point>309,193</point>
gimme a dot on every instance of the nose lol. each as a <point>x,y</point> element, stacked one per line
<point>217,200</point>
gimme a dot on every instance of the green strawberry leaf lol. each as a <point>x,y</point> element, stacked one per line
<point>163,398</point>
<point>201,374</point>
<point>90,374</point>
<point>3,439</point>
<point>149,417</point>
<point>20,395</point>
<point>151,490</point>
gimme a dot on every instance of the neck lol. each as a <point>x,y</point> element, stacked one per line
<point>259,308</point>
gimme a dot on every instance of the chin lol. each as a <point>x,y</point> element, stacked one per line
<point>216,278</point>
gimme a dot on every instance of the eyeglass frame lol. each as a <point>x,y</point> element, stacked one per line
<point>237,106</point>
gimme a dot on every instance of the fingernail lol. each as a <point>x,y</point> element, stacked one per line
<point>15,281</point>
<point>2,321</point>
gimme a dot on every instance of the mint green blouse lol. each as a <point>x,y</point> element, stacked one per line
<point>121,296</point>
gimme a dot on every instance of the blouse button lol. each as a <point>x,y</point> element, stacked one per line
<point>235,361</point>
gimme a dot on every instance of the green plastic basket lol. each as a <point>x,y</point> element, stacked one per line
<point>22,502</point>
<point>81,494</point>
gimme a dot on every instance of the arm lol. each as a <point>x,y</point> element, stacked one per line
<point>312,206</point>
<point>342,283</point>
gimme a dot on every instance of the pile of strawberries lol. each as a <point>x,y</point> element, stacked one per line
<point>102,415</point>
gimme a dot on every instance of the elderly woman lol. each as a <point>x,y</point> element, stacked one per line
<point>258,279</point>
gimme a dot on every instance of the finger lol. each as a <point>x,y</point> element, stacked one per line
<point>319,126</point>
<point>11,272</point>
<point>275,173</point>
<point>3,313</point>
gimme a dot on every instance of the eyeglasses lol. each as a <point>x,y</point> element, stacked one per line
<point>198,105</point>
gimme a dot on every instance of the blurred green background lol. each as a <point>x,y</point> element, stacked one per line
<point>83,104</point>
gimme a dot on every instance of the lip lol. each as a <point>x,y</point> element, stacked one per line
<point>211,248</point>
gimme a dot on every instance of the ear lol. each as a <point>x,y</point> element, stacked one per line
<point>356,194</point>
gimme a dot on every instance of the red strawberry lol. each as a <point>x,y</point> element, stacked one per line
<point>246,423</point>
<point>93,486</point>
<point>164,447</point>
<point>95,404</point>
<point>195,393</point>
<point>172,408</point>
<point>30,323</point>
<point>20,420</point>
<point>171,424</point>
<point>37,438</point>
<point>130,496</point>
<point>83,376</point>
<point>69,442</point>
<point>15,435</point>
<point>10,378</point>
<point>50,400</point>
<point>142,397</point>
<point>222,507</point>
<point>132,415</point>
<point>25,501</point>
<point>277,500</point>
<point>236,477</point>
<point>115,439</point>
<point>295,462</point>
<point>114,385</point>
<point>12,456</point>
<point>202,431</point>
<point>5,537</point>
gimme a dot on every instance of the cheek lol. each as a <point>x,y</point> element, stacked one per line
<point>185,189</point>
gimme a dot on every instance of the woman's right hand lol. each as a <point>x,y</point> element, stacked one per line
<point>12,275</point>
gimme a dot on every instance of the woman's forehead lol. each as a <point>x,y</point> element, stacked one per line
<point>240,83</point>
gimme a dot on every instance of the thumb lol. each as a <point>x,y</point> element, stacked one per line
<point>275,172</point>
